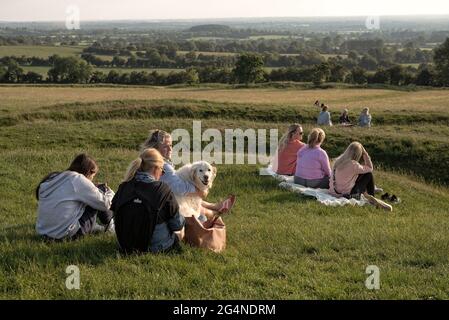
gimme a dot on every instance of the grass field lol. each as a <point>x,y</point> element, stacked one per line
<point>40,51</point>
<point>280,245</point>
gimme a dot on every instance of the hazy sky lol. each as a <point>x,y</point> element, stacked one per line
<point>38,10</point>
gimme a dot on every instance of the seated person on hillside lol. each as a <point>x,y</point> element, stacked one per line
<point>146,212</point>
<point>69,202</point>
<point>349,175</point>
<point>313,167</point>
<point>344,118</point>
<point>324,118</point>
<point>365,118</point>
<point>284,162</point>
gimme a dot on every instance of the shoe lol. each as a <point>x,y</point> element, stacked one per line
<point>385,196</point>
<point>378,203</point>
<point>395,199</point>
<point>227,205</point>
<point>378,190</point>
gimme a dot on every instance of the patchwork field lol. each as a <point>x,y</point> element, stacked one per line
<point>280,245</point>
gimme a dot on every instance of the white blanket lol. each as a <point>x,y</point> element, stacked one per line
<point>322,195</point>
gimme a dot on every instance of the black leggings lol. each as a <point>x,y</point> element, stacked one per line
<point>89,218</point>
<point>364,182</point>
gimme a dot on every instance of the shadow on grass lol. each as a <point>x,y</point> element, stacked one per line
<point>21,245</point>
<point>287,197</point>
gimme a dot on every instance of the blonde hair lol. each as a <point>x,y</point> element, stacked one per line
<point>365,110</point>
<point>316,136</point>
<point>353,152</point>
<point>155,139</point>
<point>292,129</point>
<point>149,158</point>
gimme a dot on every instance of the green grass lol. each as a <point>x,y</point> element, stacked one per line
<point>280,245</point>
<point>40,51</point>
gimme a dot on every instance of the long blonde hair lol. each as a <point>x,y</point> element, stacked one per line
<point>149,158</point>
<point>316,136</point>
<point>353,152</point>
<point>292,129</point>
<point>155,139</point>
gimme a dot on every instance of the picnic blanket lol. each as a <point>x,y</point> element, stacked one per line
<point>322,195</point>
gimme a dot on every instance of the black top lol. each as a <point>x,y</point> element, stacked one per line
<point>344,119</point>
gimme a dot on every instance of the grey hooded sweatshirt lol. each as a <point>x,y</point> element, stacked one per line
<point>62,200</point>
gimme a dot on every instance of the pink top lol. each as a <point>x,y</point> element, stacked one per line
<point>286,163</point>
<point>347,174</point>
<point>312,163</point>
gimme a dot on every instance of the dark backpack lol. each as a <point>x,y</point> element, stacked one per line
<point>134,219</point>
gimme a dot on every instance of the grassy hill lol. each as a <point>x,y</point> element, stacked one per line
<point>280,245</point>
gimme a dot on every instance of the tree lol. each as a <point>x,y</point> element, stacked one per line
<point>397,75</point>
<point>69,70</point>
<point>249,68</point>
<point>358,75</point>
<point>425,77</point>
<point>381,76</point>
<point>320,73</point>
<point>441,60</point>
<point>32,77</point>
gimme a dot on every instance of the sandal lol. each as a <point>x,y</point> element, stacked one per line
<point>227,204</point>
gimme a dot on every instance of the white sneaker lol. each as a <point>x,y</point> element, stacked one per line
<point>378,190</point>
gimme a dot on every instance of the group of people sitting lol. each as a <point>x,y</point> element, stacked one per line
<point>143,213</point>
<point>324,118</point>
<point>350,176</point>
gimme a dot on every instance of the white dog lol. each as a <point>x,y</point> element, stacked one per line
<point>201,174</point>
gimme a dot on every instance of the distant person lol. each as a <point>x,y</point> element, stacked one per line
<point>344,118</point>
<point>289,145</point>
<point>69,202</point>
<point>365,118</point>
<point>352,172</point>
<point>146,212</point>
<point>324,118</point>
<point>312,165</point>
<point>317,104</point>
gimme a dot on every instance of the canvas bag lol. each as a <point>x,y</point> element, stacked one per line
<point>210,234</point>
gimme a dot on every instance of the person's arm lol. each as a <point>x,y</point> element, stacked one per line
<point>325,164</point>
<point>367,166</point>
<point>177,185</point>
<point>176,221</point>
<point>89,194</point>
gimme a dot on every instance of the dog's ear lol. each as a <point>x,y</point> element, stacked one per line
<point>214,170</point>
<point>192,173</point>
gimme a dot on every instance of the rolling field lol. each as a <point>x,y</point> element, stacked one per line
<point>280,245</point>
<point>40,51</point>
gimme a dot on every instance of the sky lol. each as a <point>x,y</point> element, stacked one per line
<point>55,10</point>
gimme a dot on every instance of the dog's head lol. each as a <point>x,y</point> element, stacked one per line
<point>203,174</point>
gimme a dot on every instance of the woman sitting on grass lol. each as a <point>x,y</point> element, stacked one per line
<point>69,202</point>
<point>162,141</point>
<point>352,173</point>
<point>365,118</point>
<point>312,164</point>
<point>344,118</point>
<point>285,160</point>
<point>324,118</point>
<point>146,212</point>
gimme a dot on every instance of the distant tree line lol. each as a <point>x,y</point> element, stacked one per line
<point>248,68</point>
